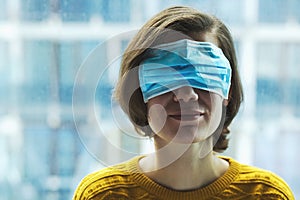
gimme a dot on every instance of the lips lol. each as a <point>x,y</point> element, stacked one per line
<point>187,116</point>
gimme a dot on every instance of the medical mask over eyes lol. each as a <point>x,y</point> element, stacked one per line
<point>200,65</point>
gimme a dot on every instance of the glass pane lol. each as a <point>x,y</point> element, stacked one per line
<point>273,11</point>
<point>115,11</point>
<point>269,85</point>
<point>3,11</point>
<point>40,67</point>
<point>5,75</point>
<point>294,14</point>
<point>75,10</point>
<point>35,10</point>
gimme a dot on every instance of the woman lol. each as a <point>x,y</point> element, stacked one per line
<point>179,84</point>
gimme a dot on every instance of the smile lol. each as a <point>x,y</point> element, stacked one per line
<point>187,117</point>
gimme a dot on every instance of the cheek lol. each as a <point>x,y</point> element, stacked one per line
<point>216,113</point>
<point>157,116</point>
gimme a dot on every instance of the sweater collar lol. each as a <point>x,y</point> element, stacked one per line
<point>166,193</point>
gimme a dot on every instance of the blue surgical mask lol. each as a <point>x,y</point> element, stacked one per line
<point>200,65</point>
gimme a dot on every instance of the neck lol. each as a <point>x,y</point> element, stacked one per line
<point>181,167</point>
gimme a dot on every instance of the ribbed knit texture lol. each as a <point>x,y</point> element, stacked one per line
<point>125,181</point>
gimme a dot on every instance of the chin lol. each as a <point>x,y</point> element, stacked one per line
<point>189,135</point>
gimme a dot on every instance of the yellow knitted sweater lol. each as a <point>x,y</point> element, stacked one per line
<point>124,181</point>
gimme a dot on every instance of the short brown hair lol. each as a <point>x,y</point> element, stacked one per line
<point>163,28</point>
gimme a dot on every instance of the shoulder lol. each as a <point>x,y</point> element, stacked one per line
<point>105,182</point>
<point>262,182</point>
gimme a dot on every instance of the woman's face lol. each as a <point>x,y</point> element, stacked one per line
<point>186,115</point>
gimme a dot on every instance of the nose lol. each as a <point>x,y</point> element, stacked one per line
<point>186,94</point>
